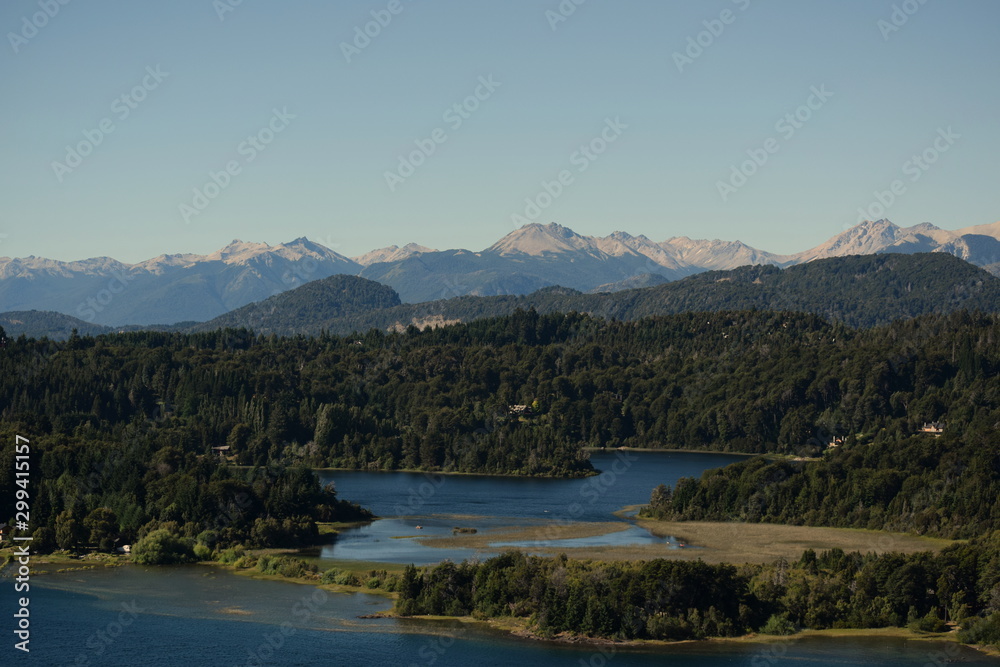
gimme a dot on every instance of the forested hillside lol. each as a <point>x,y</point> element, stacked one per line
<point>860,291</point>
<point>47,324</point>
<point>124,425</point>
<point>336,297</point>
<point>946,486</point>
<point>444,399</point>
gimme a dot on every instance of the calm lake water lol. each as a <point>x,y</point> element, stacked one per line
<point>439,503</point>
<point>200,615</point>
<point>627,478</point>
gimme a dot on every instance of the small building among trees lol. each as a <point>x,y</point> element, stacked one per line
<point>933,428</point>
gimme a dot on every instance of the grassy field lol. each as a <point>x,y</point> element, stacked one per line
<point>710,542</point>
<point>764,543</point>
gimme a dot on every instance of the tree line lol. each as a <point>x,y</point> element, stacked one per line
<point>678,600</point>
<point>443,399</point>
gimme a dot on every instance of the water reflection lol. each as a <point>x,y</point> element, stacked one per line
<point>418,506</point>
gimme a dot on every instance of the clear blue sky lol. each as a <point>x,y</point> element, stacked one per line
<point>323,176</point>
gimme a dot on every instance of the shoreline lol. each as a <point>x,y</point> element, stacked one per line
<point>654,450</point>
<point>455,473</point>
<point>603,450</point>
<point>519,627</point>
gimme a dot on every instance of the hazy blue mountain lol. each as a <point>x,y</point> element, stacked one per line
<point>175,288</point>
<point>857,290</point>
<point>169,288</point>
<point>296,311</point>
<point>47,324</point>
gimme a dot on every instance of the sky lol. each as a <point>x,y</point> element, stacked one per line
<point>133,129</point>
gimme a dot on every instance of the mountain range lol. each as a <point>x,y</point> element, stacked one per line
<point>196,288</point>
<point>858,290</point>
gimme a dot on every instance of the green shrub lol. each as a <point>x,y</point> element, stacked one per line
<point>669,628</point>
<point>292,568</point>
<point>208,537</point>
<point>981,630</point>
<point>929,623</point>
<point>231,555</point>
<point>346,579</point>
<point>245,562</point>
<point>778,624</point>
<point>162,548</point>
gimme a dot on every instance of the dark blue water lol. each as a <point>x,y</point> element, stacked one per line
<point>418,506</point>
<point>203,616</point>
<point>627,479</point>
<point>200,615</point>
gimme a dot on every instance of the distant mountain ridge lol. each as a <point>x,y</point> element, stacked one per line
<point>856,290</point>
<point>168,288</point>
<point>188,287</point>
<point>46,324</point>
<point>976,245</point>
<point>859,291</point>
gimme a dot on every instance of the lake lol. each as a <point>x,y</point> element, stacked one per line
<point>439,503</point>
<point>201,615</point>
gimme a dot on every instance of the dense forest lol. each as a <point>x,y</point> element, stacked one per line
<point>447,399</point>
<point>104,494</point>
<point>125,431</point>
<point>946,486</point>
<point>676,600</point>
<point>522,394</point>
<point>518,395</point>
